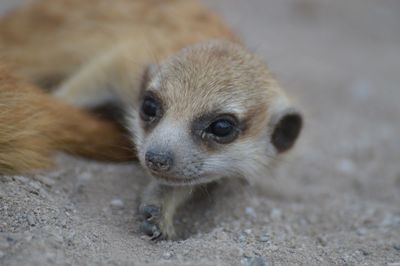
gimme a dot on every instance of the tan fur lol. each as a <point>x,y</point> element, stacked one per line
<point>33,125</point>
<point>47,40</point>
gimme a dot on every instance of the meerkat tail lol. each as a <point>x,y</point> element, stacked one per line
<point>33,125</point>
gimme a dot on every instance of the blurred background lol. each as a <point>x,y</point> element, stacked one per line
<point>341,61</point>
<point>336,200</point>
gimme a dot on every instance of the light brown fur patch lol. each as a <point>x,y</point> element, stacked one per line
<point>33,125</point>
<point>48,40</point>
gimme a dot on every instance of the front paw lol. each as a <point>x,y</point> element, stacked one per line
<point>154,223</point>
<point>151,218</point>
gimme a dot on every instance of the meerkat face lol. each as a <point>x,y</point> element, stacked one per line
<point>211,111</point>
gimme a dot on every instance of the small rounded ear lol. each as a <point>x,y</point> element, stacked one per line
<point>286,131</point>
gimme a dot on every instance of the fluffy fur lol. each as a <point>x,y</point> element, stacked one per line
<point>33,125</point>
<point>45,41</point>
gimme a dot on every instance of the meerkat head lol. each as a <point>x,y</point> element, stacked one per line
<point>211,111</point>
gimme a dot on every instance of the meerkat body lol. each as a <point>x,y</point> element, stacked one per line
<point>198,108</point>
<point>47,41</point>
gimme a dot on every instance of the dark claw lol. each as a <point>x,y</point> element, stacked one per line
<point>157,236</point>
<point>150,212</point>
<point>150,229</point>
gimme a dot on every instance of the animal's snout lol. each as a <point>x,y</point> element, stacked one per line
<point>159,161</point>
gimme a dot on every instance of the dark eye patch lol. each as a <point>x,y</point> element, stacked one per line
<point>151,108</point>
<point>214,128</point>
<point>221,128</point>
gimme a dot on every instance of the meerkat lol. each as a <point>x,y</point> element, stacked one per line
<point>199,105</point>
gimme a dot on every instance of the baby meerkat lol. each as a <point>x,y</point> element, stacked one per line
<point>209,111</point>
<point>198,108</point>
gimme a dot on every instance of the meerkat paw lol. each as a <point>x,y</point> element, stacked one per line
<point>155,225</point>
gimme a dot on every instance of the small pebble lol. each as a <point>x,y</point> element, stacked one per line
<point>167,255</point>
<point>58,238</point>
<point>69,237</point>
<point>365,252</point>
<point>391,220</point>
<point>117,204</point>
<point>28,238</point>
<point>31,219</point>
<point>21,179</point>
<point>82,181</point>
<point>48,182</point>
<point>247,231</point>
<point>63,222</point>
<point>242,238</point>
<point>396,247</point>
<point>253,261</point>
<point>35,185</point>
<point>264,238</point>
<point>84,177</point>
<point>276,214</point>
<point>274,248</point>
<point>250,212</point>
<point>361,231</point>
<point>322,241</point>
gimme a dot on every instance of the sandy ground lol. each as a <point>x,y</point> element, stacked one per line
<point>334,201</point>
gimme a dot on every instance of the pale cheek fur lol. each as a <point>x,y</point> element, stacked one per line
<point>247,159</point>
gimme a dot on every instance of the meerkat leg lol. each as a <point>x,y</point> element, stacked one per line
<point>89,87</point>
<point>93,95</point>
<point>114,76</point>
<point>158,207</point>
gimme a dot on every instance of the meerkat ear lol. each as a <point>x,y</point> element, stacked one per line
<point>286,129</point>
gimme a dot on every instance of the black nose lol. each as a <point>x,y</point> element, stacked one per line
<point>159,161</point>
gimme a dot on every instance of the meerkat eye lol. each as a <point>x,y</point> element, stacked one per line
<point>150,108</point>
<point>223,129</point>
